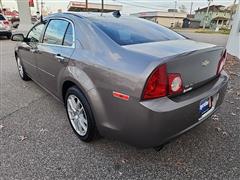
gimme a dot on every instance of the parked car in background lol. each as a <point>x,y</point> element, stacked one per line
<point>5,27</point>
<point>16,21</point>
<point>123,77</point>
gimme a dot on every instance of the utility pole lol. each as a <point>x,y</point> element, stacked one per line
<point>37,6</point>
<point>231,13</point>
<point>206,16</point>
<point>102,6</point>
<point>1,5</point>
<point>174,14</point>
<point>24,15</point>
<point>191,8</point>
<point>42,6</point>
<point>234,37</point>
<point>87,5</point>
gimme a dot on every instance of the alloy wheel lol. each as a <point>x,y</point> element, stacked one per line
<point>77,115</point>
<point>20,67</point>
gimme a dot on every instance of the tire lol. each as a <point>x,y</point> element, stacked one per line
<point>23,75</point>
<point>85,119</point>
<point>9,37</point>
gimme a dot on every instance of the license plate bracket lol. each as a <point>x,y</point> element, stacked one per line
<point>205,106</point>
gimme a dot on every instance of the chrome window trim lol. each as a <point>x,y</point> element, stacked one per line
<point>56,45</point>
<point>35,25</point>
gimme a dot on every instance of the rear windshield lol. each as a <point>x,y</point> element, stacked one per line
<point>127,31</point>
<point>2,17</point>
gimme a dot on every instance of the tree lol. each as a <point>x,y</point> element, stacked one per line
<point>183,9</point>
<point>1,5</point>
<point>206,16</point>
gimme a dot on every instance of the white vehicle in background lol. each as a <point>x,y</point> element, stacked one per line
<point>5,27</point>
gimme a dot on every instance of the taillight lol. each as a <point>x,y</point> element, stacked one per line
<point>222,62</point>
<point>175,84</point>
<point>6,22</point>
<point>161,84</point>
<point>157,84</point>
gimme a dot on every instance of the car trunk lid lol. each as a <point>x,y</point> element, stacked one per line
<point>196,62</point>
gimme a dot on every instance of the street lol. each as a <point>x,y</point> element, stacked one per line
<point>218,39</point>
<point>37,142</point>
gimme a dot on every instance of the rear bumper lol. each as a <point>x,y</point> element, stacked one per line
<point>5,33</point>
<point>155,122</point>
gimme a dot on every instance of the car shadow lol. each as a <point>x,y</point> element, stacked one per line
<point>3,38</point>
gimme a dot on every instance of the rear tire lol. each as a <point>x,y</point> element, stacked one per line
<point>80,115</point>
<point>23,75</point>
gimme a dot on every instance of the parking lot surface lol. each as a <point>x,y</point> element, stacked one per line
<point>36,141</point>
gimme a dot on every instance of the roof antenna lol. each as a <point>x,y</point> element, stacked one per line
<point>116,14</point>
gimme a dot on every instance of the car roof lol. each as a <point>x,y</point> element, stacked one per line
<point>88,14</point>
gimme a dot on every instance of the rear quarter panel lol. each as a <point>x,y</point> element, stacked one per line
<point>99,67</point>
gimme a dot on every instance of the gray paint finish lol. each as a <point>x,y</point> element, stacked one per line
<point>99,66</point>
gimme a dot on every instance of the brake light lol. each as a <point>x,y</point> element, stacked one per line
<point>157,84</point>
<point>175,84</point>
<point>6,22</point>
<point>161,84</point>
<point>222,62</point>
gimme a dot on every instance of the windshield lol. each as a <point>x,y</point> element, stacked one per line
<point>1,17</point>
<point>127,31</point>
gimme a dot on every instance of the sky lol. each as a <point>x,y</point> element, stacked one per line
<point>129,6</point>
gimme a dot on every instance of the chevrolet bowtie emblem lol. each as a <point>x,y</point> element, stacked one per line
<point>205,63</point>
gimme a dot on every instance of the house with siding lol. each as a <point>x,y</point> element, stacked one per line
<point>171,19</point>
<point>218,16</point>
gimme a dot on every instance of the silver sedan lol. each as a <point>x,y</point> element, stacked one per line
<point>123,77</point>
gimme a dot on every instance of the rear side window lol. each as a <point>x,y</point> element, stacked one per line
<point>2,17</point>
<point>55,32</point>
<point>127,31</point>
<point>68,39</point>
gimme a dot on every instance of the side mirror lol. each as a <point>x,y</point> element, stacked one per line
<point>18,37</point>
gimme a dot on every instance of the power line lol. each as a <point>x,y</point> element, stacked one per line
<point>141,6</point>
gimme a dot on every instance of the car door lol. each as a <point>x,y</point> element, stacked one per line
<point>28,50</point>
<point>55,52</point>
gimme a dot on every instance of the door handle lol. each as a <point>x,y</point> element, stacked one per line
<point>60,58</point>
<point>34,50</point>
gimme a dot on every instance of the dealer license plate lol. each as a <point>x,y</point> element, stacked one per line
<point>205,106</point>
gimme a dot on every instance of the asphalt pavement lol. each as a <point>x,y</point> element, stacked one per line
<point>218,39</point>
<point>36,141</point>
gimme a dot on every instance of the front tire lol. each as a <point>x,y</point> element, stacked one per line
<point>80,115</point>
<point>21,70</point>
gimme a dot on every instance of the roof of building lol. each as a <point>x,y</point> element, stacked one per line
<point>191,19</point>
<point>213,8</point>
<point>160,14</point>
<point>220,18</point>
<point>94,7</point>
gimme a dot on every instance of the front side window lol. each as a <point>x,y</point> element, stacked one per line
<point>35,34</point>
<point>55,32</point>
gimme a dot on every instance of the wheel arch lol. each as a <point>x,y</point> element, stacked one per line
<point>68,83</point>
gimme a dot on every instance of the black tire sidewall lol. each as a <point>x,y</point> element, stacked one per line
<point>91,131</point>
<point>25,76</point>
